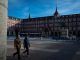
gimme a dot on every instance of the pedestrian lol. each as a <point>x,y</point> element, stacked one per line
<point>17,46</point>
<point>26,45</point>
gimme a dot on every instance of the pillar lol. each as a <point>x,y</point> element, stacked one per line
<point>3,29</point>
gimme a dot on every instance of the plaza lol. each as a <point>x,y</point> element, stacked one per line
<point>52,36</point>
<point>47,49</point>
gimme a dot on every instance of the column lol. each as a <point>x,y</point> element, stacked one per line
<point>3,29</point>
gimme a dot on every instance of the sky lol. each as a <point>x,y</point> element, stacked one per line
<point>41,8</point>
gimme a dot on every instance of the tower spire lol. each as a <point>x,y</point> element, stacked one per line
<point>29,14</point>
<point>56,5</point>
<point>56,11</point>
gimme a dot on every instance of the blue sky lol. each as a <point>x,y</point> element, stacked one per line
<point>39,8</point>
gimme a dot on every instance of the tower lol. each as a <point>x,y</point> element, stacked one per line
<point>56,14</point>
<point>29,16</point>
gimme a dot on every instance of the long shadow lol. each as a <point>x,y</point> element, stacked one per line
<point>68,52</point>
<point>35,55</point>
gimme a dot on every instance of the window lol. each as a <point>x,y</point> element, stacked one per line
<point>74,28</point>
<point>66,20</point>
<point>55,28</point>
<point>78,19</point>
<point>70,24</point>
<point>74,23</point>
<point>74,19</point>
<point>78,28</point>
<point>78,23</point>
<point>70,20</point>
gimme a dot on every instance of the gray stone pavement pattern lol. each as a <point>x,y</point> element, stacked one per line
<point>48,51</point>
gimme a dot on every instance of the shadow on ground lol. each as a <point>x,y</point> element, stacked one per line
<point>67,52</point>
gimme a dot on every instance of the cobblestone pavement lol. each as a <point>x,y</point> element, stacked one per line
<point>46,50</point>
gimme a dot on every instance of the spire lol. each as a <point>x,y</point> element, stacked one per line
<point>56,11</point>
<point>29,14</point>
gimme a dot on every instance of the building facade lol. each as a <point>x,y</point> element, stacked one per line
<point>57,25</point>
<point>12,23</point>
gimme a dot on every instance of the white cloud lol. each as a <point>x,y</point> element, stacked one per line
<point>69,8</point>
<point>63,9</point>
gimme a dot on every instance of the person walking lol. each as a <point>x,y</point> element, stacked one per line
<point>26,45</point>
<point>17,46</point>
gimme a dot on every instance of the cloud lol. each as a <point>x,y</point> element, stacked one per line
<point>42,7</point>
<point>69,8</point>
<point>64,8</point>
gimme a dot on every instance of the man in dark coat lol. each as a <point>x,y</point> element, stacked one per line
<point>26,44</point>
